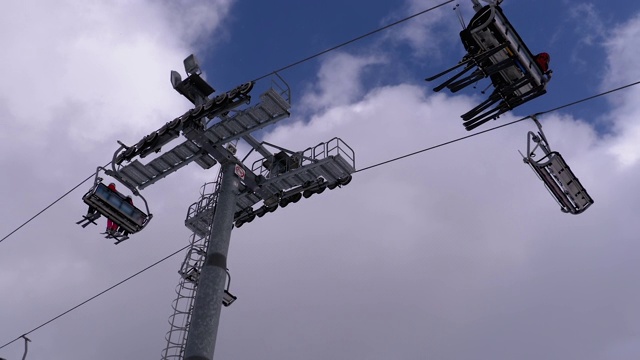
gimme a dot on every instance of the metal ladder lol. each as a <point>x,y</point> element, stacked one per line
<point>199,220</point>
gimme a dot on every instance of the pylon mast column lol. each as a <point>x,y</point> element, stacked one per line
<point>201,340</point>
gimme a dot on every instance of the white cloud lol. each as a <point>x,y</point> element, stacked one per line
<point>590,27</point>
<point>339,81</point>
<point>424,34</point>
<point>622,54</point>
<point>622,49</point>
<point>93,68</point>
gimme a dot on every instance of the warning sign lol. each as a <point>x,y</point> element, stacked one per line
<point>240,171</point>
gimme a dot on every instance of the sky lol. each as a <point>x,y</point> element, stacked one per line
<point>454,253</point>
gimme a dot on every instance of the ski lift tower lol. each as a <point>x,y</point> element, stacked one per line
<point>278,178</point>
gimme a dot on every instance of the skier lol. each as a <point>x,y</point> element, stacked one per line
<point>543,60</point>
<point>112,227</point>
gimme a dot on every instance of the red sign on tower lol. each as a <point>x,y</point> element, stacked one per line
<point>240,171</point>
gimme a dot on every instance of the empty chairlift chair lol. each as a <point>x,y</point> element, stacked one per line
<point>554,172</point>
<point>495,50</point>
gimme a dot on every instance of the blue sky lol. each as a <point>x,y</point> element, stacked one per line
<point>571,32</point>
<point>456,253</point>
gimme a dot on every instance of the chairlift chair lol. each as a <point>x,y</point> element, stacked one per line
<point>495,50</point>
<point>554,172</point>
<point>115,206</point>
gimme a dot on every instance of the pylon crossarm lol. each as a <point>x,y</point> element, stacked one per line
<point>288,178</point>
<point>189,121</point>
